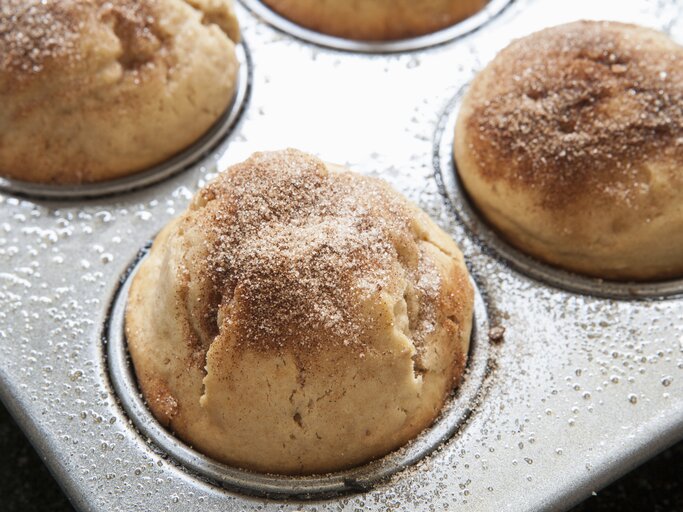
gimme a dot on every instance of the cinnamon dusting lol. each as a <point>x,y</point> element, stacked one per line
<point>298,252</point>
<point>578,109</point>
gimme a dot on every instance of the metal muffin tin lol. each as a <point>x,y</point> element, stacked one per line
<point>587,383</point>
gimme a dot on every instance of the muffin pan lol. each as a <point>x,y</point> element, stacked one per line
<point>586,383</point>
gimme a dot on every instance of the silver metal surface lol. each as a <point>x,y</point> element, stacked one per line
<point>474,22</point>
<point>362,478</point>
<point>174,165</point>
<point>582,388</point>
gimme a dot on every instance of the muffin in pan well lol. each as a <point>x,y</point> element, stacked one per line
<point>570,143</point>
<point>299,318</point>
<point>95,90</point>
<point>376,20</point>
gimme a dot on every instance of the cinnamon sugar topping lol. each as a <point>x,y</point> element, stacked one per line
<point>297,251</point>
<point>35,33</point>
<point>578,109</point>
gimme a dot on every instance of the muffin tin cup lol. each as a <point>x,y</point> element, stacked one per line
<point>453,417</point>
<point>447,177</point>
<point>459,29</point>
<point>176,164</point>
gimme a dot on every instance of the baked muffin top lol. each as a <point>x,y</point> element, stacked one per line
<point>576,110</point>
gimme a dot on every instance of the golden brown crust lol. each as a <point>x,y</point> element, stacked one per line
<point>570,142</point>
<point>304,294</point>
<point>373,20</point>
<point>127,83</point>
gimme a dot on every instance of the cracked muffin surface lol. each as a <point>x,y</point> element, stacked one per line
<point>94,90</point>
<point>299,318</point>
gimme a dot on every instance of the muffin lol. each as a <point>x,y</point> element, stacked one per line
<point>570,143</point>
<point>376,20</point>
<point>299,318</point>
<point>97,90</point>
